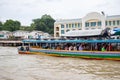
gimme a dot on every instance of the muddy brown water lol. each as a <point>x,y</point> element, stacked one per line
<point>14,66</point>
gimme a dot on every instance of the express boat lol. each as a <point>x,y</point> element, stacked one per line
<point>91,49</point>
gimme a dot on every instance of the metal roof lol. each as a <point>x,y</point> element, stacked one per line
<point>113,17</point>
<point>69,20</point>
<point>92,32</point>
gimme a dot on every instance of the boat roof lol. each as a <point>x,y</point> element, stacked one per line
<point>73,41</point>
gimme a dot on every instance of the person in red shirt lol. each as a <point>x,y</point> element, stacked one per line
<point>109,47</point>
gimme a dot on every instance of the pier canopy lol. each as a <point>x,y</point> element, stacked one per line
<point>82,33</point>
<point>72,41</point>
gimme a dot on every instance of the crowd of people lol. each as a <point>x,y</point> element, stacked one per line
<point>80,47</point>
<point>89,47</point>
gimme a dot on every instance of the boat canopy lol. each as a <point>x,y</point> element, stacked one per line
<point>72,41</point>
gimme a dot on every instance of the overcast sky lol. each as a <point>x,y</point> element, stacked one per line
<point>26,10</point>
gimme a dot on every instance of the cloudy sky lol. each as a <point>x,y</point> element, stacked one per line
<point>26,10</point>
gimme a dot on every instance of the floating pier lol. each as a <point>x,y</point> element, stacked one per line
<point>10,43</point>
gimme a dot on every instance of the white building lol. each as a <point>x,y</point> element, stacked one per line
<point>46,36</point>
<point>38,35</point>
<point>5,34</point>
<point>91,24</point>
<point>21,34</point>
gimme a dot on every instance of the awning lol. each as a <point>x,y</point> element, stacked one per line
<point>93,32</point>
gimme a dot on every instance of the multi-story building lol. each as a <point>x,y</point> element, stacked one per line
<point>92,21</point>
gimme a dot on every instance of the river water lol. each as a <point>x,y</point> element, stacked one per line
<point>14,66</point>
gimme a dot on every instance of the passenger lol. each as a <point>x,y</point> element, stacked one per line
<point>80,48</point>
<point>96,47</point>
<point>70,48</point>
<point>77,46</point>
<point>109,47</point>
<point>22,48</point>
<point>27,48</point>
<point>58,47</point>
<point>103,49</point>
<point>74,48</point>
<point>99,47</point>
<point>53,47</point>
<point>66,47</point>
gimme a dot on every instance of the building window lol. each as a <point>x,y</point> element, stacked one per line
<point>66,25</point>
<point>113,22</point>
<point>57,28</point>
<point>99,23</point>
<point>86,24</point>
<point>62,32</point>
<point>118,22</point>
<point>62,26</point>
<point>106,23</point>
<point>72,25</point>
<point>93,23</point>
<point>69,25</point>
<point>57,34</point>
<point>78,24</point>
<point>110,23</point>
<point>75,24</point>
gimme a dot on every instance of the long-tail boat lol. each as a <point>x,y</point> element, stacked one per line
<point>92,49</point>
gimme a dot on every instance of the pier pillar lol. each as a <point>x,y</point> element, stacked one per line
<point>14,44</point>
<point>29,44</point>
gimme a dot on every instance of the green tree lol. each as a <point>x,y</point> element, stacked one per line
<point>11,25</point>
<point>1,25</point>
<point>27,28</point>
<point>45,23</point>
<point>32,27</point>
